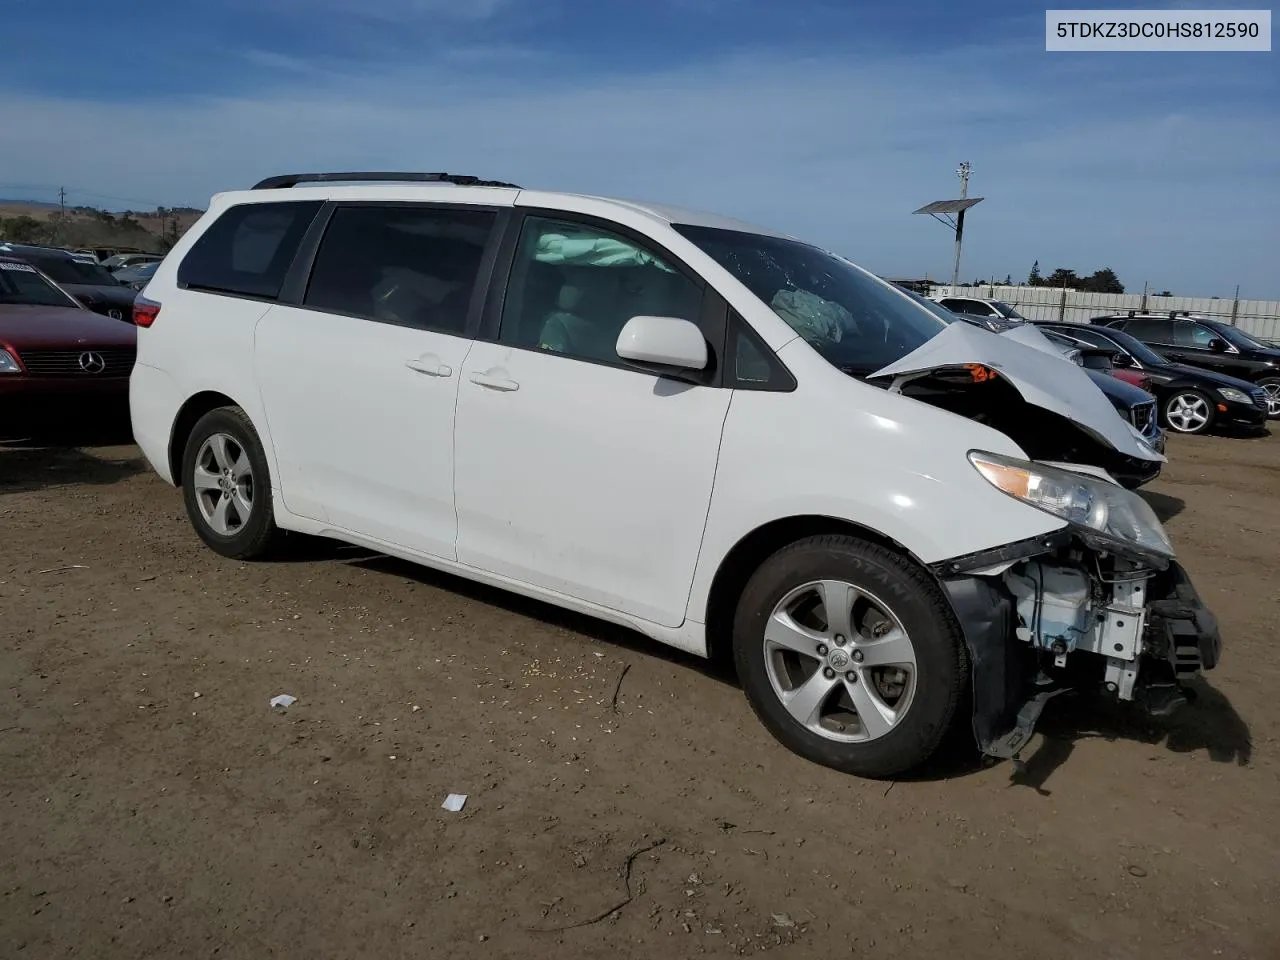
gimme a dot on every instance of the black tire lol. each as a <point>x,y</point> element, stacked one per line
<point>1272,383</point>
<point>257,535</point>
<point>942,659</point>
<point>1188,395</point>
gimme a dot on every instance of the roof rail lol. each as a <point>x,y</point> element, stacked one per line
<point>293,179</point>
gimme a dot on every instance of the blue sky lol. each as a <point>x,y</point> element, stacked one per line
<point>829,119</point>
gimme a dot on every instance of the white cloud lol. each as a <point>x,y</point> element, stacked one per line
<point>840,152</point>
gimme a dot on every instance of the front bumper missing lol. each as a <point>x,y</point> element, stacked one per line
<point>1173,639</point>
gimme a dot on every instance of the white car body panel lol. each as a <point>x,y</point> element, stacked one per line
<point>603,499</point>
<point>891,464</point>
<point>362,416</point>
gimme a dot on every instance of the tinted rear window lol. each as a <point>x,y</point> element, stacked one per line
<point>415,266</point>
<point>1151,329</point>
<point>248,249</point>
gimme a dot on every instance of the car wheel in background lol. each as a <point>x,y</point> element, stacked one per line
<point>1271,385</point>
<point>1188,411</point>
<point>850,655</point>
<point>226,485</point>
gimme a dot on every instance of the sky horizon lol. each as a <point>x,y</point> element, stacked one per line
<point>828,120</point>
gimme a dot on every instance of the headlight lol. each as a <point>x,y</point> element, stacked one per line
<point>8,362</point>
<point>1106,515</point>
<point>1235,396</point>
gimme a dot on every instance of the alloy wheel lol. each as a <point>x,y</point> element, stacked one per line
<point>840,661</point>
<point>223,481</point>
<point>1272,389</point>
<point>1188,413</point>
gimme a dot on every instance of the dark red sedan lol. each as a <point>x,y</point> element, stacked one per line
<point>58,361</point>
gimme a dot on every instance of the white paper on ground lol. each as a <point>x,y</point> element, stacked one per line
<point>454,801</point>
<point>284,700</point>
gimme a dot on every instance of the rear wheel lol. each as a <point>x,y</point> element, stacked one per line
<point>850,655</point>
<point>1188,411</point>
<point>1271,386</point>
<point>226,486</point>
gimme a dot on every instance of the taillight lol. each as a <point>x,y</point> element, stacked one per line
<point>145,312</point>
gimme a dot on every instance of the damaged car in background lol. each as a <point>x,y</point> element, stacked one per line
<point>727,439</point>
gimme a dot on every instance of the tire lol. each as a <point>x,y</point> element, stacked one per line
<point>888,584</point>
<point>239,536</point>
<point>1188,412</point>
<point>1272,386</point>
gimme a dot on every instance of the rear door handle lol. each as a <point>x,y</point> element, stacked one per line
<point>494,383</point>
<point>431,365</point>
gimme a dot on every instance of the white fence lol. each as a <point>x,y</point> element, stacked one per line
<point>1261,318</point>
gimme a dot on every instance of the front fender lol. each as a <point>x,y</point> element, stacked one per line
<point>839,448</point>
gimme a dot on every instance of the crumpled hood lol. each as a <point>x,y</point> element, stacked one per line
<point>1041,374</point>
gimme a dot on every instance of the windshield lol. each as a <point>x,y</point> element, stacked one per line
<point>21,284</point>
<point>1005,310</point>
<point>142,271</point>
<point>66,270</point>
<point>1238,338</point>
<point>856,321</point>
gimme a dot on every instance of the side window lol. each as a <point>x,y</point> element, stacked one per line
<point>248,249</point>
<point>1150,329</point>
<point>573,287</point>
<point>1192,334</point>
<point>752,366</point>
<point>413,266</point>
<point>971,308</point>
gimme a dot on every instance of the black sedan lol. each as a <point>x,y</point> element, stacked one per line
<point>1208,343</point>
<point>87,282</point>
<point>1192,399</point>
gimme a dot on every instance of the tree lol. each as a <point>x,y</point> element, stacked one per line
<point>1062,277</point>
<point>1163,293</point>
<point>1033,278</point>
<point>1102,281</point>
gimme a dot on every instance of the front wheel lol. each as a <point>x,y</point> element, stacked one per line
<point>226,485</point>
<point>1271,387</point>
<point>1188,411</point>
<point>850,655</point>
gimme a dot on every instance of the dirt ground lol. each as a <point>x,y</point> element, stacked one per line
<point>153,805</point>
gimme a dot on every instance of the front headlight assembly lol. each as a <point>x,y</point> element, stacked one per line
<point>1235,396</point>
<point>1106,516</point>
<point>8,362</point>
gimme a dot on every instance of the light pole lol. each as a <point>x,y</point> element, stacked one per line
<point>963,174</point>
<point>945,208</point>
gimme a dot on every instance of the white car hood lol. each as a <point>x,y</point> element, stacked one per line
<point>1041,374</point>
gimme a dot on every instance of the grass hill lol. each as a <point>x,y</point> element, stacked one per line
<point>154,231</point>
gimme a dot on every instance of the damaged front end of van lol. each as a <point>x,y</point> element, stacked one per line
<point>1098,605</point>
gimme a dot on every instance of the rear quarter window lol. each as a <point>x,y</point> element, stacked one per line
<point>247,251</point>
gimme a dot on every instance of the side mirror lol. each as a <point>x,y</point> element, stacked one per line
<point>1121,360</point>
<point>1218,345</point>
<point>664,342</point>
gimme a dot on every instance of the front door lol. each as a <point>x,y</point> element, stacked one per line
<point>1191,345</point>
<point>360,380</point>
<point>574,472</point>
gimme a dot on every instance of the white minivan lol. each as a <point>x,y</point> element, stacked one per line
<point>727,439</point>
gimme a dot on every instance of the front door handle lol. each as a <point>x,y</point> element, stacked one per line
<point>431,365</point>
<point>494,382</point>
